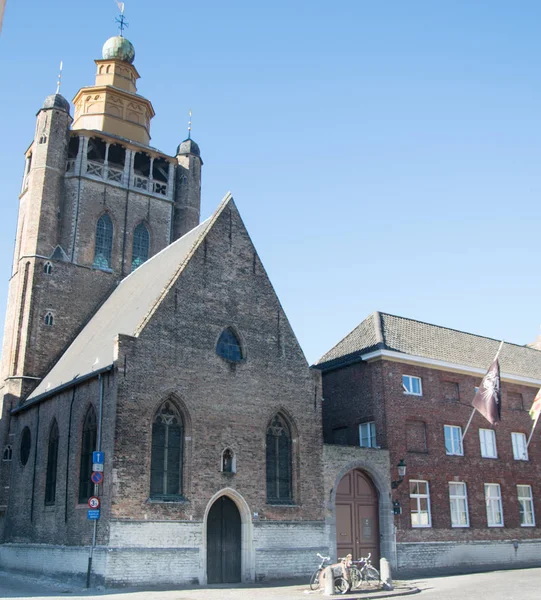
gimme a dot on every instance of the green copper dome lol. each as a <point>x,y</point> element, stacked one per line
<point>118,48</point>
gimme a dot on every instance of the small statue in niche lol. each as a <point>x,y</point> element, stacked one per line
<point>227,461</point>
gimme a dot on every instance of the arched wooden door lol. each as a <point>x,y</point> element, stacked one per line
<point>357,527</point>
<point>223,542</point>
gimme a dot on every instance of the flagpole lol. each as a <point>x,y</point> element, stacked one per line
<point>531,432</point>
<point>474,409</point>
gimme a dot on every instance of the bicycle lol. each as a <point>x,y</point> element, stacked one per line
<point>366,573</point>
<point>341,583</point>
<point>315,579</point>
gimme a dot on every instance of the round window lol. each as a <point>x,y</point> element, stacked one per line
<point>25,445</point>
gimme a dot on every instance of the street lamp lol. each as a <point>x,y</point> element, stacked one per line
<point>401,474</point>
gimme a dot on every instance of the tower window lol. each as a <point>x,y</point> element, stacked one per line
<point>229,461</point>
<point>73,148</point>
<point>26,442</point>
<point>141,245</point>
<point>88,445</point>
<point>96,150</point>
<point>48,268</point>
<point>104,242</point>
<point>8,453</point>
<point>42,139</point>
<point>52,463</point>
<point>228,346</point>
<point>279,483</point>
<point>49,319</point>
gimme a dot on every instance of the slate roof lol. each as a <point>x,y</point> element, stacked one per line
<point>125,311</point>
<point>381,331</point>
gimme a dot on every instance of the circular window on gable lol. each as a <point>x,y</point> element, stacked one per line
<point>26,441</point>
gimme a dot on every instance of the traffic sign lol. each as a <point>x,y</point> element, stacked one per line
<point>98,467</point>
<point>97,458</point>
<point>94,502</point>
<point>96,477</point>
<point>93,515</point>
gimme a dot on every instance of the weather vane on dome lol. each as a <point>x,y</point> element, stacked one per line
<point>59,80</point>
<point>190,125</point>
<point>121,19</point>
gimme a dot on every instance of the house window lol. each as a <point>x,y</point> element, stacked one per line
<point>520,449</point>
<point>8,453</point>
<point>340,436</point>
<point>453,440</point>
<point>367,435</point>
<point>26,442</point>
<point>487,437</point>
<point>279,484</point>
<point>412,385</point>
<point>459,504</point>
<point>48,319</point>
<point>88,445</point>
<point>515,401</point>
<point>416,436</point>
<point>451,391</point>
<point>525,501</point>
<point>104,242</point>
<point>167,454</point>
<point>48,268</point>
<point>141,246</point>
<point>228,346</point>
<point>493,499</point>
<point>420,504</point>
<point>52,461</point>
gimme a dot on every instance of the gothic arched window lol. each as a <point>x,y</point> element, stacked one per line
<point>279,483</point>
<point>88,445</point>
<point>48,319</point>
<point>141,245</point>
<point>48,268</point>
<point>52,463</point>
<point>26,442</point>
<point>167,453</point>
<point>104,242</point>
<point>8,453</point>
<point>228,346</point>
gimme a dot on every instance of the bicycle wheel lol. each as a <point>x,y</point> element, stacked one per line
<point>371,574</point>
<point>341,585</point>
<point>355,578</point>
<point>314,580</point>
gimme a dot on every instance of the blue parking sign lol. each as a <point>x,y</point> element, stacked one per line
<point>97,458</point>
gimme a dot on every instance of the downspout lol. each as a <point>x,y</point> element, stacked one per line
<point>34,474</point>
<point>68,458</point>
<point>98,444</point>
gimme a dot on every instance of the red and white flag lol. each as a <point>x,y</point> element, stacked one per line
<point>536,406</point>
<point>488,400</point>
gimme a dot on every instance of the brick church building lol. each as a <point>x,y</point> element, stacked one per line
<point>137,331</point>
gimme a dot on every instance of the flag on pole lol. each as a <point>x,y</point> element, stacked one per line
<point>536,406</point>
<point>488,400</point>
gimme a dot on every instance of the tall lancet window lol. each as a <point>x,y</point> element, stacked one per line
<point>279,484</point>
<point>141,245</point>
<point>104,242</point>
<point>52,463</point>
<point>167,453</point>
<point>88,445</point>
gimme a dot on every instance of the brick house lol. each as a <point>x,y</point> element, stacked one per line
<point>406,386</point>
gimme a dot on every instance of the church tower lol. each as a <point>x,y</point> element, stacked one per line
<point>96,202</point>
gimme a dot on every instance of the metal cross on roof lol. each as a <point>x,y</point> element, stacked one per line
<point>121,19</point>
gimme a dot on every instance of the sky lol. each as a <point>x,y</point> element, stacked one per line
<point>384,155</point>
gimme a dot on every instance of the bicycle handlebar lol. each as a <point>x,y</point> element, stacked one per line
<point>323,557</point>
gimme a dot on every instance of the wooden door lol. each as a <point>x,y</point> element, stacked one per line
<point>223,542</point>
<point>357,527</point>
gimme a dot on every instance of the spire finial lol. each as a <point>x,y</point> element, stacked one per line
<point>190,125</point>
<point>59,81</point>
<point>121,19</point>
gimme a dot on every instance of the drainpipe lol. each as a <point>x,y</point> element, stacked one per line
<point>98,444</point>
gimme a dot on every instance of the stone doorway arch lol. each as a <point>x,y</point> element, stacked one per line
<point>247,553</point>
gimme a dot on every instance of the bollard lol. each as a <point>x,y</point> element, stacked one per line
<point>328,578</point>
<point>385,574</point>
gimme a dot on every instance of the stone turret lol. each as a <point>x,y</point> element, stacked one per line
<point>188,188</point>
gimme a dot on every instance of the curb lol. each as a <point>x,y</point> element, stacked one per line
<point>391,594</point>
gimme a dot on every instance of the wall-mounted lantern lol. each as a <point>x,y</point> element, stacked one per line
<point>401,474</point>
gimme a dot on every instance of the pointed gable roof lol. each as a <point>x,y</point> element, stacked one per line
<point>126,310</point>
<point>385,332</point>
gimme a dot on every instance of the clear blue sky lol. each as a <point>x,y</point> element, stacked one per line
<point>384,155</point>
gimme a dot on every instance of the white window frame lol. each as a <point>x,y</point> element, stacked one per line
<point>457,499</point>
<point>490,499</point>
<point>522,500</point>
<point>457,446</point>
<point>407,385</point>
<point>483,435</point>
<point>419,497</point>
<point>520,449</point>
<point>370,429</point>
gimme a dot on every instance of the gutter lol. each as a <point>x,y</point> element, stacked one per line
<point>61,388</point>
